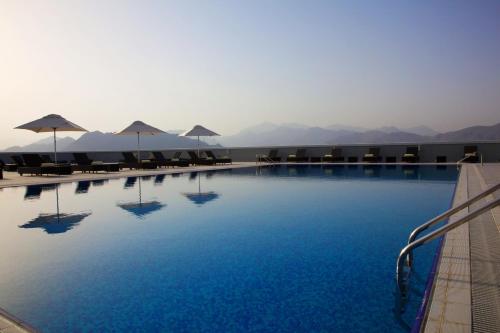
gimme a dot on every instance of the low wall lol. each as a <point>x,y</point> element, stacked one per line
<point>453,152</point>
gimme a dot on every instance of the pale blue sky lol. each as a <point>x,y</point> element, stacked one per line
<point>232,64</point>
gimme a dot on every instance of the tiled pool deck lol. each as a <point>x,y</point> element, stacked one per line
<point>14,179</point>
<point>466,296</point>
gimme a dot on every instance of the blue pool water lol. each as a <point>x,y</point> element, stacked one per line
<point>283,249</point>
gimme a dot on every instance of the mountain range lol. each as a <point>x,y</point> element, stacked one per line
<point>98,141</point>
<point>292,134</point>
<point>269,134</point>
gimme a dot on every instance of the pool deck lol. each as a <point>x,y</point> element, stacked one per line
<point>466,295</point>
<point>12,179</point>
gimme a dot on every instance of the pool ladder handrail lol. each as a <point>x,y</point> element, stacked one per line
<point>448,213</point>
<point>265,157</point>
<point>405,257</point>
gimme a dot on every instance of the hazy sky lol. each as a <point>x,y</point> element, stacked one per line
<point>232,64</point>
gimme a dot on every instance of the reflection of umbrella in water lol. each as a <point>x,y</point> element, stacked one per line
<point>200,198</point>
<point>140,208</point>
<point>56,223</point>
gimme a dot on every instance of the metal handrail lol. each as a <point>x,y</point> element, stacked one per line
<point>400,278</point>
<point>447,214</point>
<point>264,157</point>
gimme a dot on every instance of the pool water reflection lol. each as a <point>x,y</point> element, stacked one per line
<point>278,249</point>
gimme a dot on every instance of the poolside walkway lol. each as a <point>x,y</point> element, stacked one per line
<point>12,179</point>
<point>466,296</point>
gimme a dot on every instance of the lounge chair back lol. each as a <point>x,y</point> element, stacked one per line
<point>273,153</point>
<point>82,159</point>
<point>32,160</point>
<point>375,151</point>
<point>46,158</point>
<point>158,155</point>
<point>301,153</point>
<point>193,155</point>
<point>129,157</point>
<point>18,160</point>
<point>337,152</point>
<point>470,149</point>
<point>210,154</point>
<point>413,150</point>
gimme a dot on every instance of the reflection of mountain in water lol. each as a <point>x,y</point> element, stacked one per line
<point>55,223</point>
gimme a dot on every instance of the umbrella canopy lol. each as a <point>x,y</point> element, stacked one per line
<point>52,123</point>
<point>139,128</point>
<point>198,131</point>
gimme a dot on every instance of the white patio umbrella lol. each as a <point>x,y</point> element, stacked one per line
<point>140,128</point>
<point>52,123</point>
<point>198,131</point>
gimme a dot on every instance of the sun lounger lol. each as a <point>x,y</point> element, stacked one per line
<point>411,155</point>
<point>299,156</point>
<point>200,160</point>
<point>34,165</point>
<point>160,159</point>
<point>373,155</point>
<point>218,159</point>
<point>84,164</point>
<point>131,162</point>
<point>271,157</point>
<point>334,156</point>
<point>8,166</point>
<point>18,160</point>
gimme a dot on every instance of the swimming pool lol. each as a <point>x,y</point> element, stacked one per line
<point>276,249</point>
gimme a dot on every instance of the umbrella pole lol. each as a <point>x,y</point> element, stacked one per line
<point>57,202</point>
<point>138,150</point>
<point>198,146</point>
<point>55,146</point>
<point>140,192</point>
